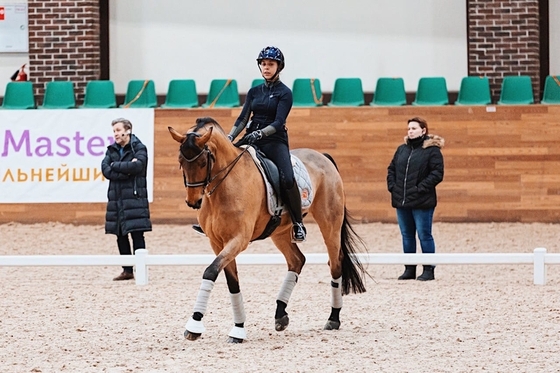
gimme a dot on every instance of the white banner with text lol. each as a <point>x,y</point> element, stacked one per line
<point>54,156</point>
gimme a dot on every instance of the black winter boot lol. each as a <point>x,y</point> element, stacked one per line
<point>427,274</point>
<point>293,200</point>
<point>409,273</point>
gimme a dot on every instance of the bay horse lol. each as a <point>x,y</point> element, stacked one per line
<point>224,184</point>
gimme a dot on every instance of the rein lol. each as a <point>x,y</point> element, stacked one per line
<point>209,165</point>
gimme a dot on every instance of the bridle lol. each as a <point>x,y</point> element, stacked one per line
<point>210,160</point>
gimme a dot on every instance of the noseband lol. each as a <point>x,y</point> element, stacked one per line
<point>210,159</point>
<point>209,164</point>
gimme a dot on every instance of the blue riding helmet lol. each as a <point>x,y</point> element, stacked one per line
<point>272,53</point>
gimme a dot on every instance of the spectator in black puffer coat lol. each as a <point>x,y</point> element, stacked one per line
<point>414,172</point>
<point>125,165</point>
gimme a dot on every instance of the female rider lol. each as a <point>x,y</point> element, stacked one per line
<point>270,103</point>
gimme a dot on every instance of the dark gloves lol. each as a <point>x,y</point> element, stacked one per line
<point>254,136</point>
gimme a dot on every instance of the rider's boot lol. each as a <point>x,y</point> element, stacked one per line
<point>293,200</point>
<point>198,229</point>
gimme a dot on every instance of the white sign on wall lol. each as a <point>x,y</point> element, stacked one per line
<point>54,156</point>
<point>14,36</point>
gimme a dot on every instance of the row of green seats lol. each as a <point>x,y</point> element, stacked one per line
<point>432,91</point>
<point>182,93</point>
<point>139,94</point>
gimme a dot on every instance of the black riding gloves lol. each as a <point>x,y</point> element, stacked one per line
<point>254,136</point>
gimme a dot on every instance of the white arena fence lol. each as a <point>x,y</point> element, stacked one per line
<point>141,260</point>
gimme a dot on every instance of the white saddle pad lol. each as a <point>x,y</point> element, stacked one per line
<point>302,179</point>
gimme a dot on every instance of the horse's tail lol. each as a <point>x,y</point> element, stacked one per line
<point>353,270</point>
<point>331,159</point>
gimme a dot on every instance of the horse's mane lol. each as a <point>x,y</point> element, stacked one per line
<point>189,148</point>
<point>202,122</point>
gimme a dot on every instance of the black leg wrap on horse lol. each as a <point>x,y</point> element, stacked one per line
<point>293,200</point>
<point>197,316</point>
<point>335,314</point>
<point>280,309</point>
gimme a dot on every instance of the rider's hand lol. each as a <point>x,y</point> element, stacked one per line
<point>254,136</point>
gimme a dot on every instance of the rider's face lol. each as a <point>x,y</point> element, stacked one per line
<point>268,68</point>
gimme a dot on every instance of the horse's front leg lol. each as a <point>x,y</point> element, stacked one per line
<point>194,327</point>
<point>295,260</point>
<point>237,333</point>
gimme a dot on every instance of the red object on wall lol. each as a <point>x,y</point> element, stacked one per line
<point>2,11</point>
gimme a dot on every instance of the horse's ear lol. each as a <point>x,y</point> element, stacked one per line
<point>180,138</point>
<point>202,140</point>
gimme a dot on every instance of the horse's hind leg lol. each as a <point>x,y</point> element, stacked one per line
<point>330,221</point>
<point>237,334</point>
<point>295,260</point>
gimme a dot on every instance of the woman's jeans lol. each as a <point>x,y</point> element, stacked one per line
<point>416,220</point>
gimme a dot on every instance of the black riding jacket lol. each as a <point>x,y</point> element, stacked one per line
<point>414,172</point>
<point>270,104</point>
<point>127,207</point>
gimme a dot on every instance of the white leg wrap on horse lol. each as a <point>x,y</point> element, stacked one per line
<point>238,309</point>
<point>336,288</point>
<point>287,286</point>
<point>203,296</point>
<point>194,326</point>
<point>237,332</point>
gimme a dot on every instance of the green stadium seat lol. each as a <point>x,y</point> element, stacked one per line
<point>257,82</point>
<point>99,94</point>
<point>181,93</point>
<point>347,92</point>
<point>551,93</point>
<point>59,95</point>
<point>516,90</point>
<point>307,92</point>
<point>389,92</point>
<point>474,90</point>
<point>222,93</point>
<point>432,91</point>
<point>19,96</point>
<point>140,94</point>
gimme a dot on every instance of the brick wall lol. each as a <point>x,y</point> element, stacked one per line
<point>504,40</point>
<point>64,43</point>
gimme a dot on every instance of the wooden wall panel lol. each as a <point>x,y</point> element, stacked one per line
<point>501,162</point>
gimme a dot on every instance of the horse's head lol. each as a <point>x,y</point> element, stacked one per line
<point>196,159</point>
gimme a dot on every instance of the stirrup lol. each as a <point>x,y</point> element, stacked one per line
<point>198,229</point>
<point>298,233</point>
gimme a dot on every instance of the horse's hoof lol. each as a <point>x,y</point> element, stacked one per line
<point>281,323</point>
<point>234,340</point>
<point>332,325</point>
<point>191,336</point>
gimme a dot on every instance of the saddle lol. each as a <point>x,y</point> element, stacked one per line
<point>271,177</point>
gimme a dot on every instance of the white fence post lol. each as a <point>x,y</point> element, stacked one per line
<point>141,267</point>
<point>539,267</point>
